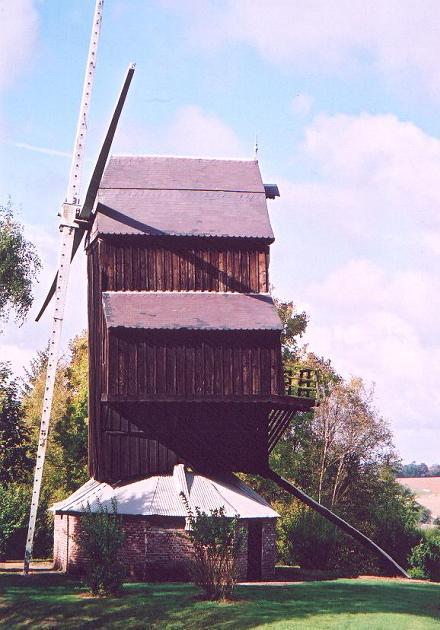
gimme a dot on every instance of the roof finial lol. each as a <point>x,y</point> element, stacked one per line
<point>256,147</point>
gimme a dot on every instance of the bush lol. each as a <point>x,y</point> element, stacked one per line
<point>99,538</point>
<point>217,542</point>
<point>425,557</point>
<point>14,511</point>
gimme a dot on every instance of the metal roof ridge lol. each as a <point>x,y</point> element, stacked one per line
<point>196,190</point>
<point>214,485</point>
<point>182,157</point>
<point>79,493</point>
<point>179,478</point>
<point>151,506</point>
<point>190,292</point>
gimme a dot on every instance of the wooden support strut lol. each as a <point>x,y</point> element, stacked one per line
<point>336,520</point>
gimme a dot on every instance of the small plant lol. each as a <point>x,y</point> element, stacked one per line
<point>425,558</point>
<point>99,539</point>
<point>217,542</point>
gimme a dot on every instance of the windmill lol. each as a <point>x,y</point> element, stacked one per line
<point>75,218</point>
<point>186,382</point>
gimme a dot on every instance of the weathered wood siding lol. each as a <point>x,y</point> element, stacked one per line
<point>210,435</point>
<point>117,448</point>
<point>201,364</point>
<point>118,444</point>
<point>158,264</point>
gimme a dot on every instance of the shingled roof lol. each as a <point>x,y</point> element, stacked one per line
<point>182,197</point>
<point>190,310</point>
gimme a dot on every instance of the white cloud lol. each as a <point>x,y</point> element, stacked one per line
<point>202,134</point>
<point>399,37</point>
<point>191,131</point>
<point>18,35</point>
<point>358,245</point>
<point>302,104</point>
<point>383,326</point>
<point>44,150</point>
<point>371,172</point>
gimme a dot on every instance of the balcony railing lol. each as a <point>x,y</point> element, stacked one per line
<point>301,382</point>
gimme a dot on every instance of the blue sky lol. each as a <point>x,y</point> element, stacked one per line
<point>344,97</point>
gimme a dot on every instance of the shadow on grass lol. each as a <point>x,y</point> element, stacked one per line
<point>53,600</point>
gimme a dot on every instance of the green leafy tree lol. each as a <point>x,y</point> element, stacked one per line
<point>217,541</point>
<point>66,458</point>
<point>425,557</point>
<point>294,326</point>
<point>15,463</point>
<point>19,266</point>
<point>100,538</point>
<point>14,508</point>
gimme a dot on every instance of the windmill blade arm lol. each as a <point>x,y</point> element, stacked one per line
<point>49,296</point>
<point>92,191</point>
<point>78,236</point>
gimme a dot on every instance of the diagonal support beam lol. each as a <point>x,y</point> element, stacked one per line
<point>336,520</point>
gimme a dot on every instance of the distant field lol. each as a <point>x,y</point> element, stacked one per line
<point>427,490</point>
<point>55,601</point>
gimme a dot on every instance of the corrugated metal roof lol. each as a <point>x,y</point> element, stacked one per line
<point>160,496</point>
<point>182,197</point>
<point>190,310</point>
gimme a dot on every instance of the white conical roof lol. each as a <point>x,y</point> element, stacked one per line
<point>161,495</point>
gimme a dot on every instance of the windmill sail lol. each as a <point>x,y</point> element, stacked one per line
<point>84,214</point>
<point>71,235</point>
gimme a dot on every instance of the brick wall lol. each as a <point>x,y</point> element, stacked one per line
<point>153,550</point>
<point>269,550</point>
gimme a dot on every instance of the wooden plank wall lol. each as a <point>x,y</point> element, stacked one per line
<point>210,435</point>
<point>194,365</point>
<point>142,264</point>
<point>117,448</point>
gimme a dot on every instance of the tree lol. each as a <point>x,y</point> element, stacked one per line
<point>425,557</point>
<point>217,542</point>
<point>15,463</point>
<point>66,460</point>
<point>19,266</point>
<point>413,470</point>
<point>349,436</point>
<point>14,507</point>
<point>100,537</point>
<point>294,326</point>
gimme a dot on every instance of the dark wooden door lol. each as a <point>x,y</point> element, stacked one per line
<point>255,546</point>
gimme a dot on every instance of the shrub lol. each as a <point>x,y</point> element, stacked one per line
<point>425,557</point>
<point>217,541</point>
<point>99,539</point>
<point>14,508</point>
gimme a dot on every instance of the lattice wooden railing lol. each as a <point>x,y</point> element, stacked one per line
<point>301,382</point>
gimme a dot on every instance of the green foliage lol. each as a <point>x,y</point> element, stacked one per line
<point>15,463</point>
<point>66,459</point>
<point>100,538</point>
<point>19,266</point>
<point>14,508</point>
<point>425,557</point>
<point>217,542</point>
<point>294,326</point>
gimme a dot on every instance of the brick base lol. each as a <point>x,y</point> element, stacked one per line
<point>156,549</point>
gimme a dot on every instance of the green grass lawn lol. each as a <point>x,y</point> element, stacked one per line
<point>55,601</point>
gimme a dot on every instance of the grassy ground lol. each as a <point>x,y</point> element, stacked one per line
<point>54,601</point>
